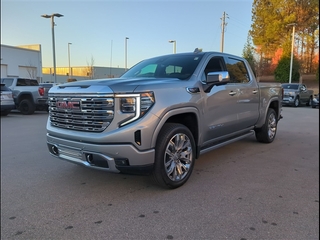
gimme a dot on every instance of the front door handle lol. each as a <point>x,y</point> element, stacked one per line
<point>232,93</point>
<point>254,91</point>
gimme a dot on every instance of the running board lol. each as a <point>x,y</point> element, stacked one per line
<point>227,142</point>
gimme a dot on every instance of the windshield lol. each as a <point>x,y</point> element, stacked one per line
<point>171,66</point>
<point>290,86</point>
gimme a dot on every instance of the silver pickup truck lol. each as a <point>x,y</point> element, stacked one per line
<point>28,95</point>
<point>161,115</point>
<point>296,94</point>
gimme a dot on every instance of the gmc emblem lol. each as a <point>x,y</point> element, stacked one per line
<point>68,105</point>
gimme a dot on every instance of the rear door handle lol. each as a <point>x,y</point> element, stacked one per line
<point>254,91</point>
<point>232,93</point>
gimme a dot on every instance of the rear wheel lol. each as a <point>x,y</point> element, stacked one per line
<point>309,103</point>
<point>175,156</point>
<point>267,132</point>
<point>26,107</point>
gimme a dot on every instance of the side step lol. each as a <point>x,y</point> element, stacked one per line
<point>227,142</point>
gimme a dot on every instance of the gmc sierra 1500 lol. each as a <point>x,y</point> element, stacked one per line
<point>161,115</point>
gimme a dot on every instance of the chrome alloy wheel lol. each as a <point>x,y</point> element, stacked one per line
<point>178,157</point>
<point>272,125</point>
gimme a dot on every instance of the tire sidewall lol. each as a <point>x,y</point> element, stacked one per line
<point>29,105</point>
<point>164,137</point>
<point>296,102</point>
<point>270,112</point>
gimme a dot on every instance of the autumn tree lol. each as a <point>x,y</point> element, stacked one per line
<point>270,29</point>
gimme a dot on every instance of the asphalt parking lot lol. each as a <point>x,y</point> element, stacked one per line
<point>246,190</point>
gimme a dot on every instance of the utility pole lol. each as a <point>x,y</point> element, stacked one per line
<point>223,24</point>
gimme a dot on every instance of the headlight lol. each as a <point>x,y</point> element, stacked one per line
<point>138,104</point>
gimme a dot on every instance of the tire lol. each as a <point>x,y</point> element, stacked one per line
<point>26,107</point>
<point>267,133</point>
<point>309,103</point>
<point>5,112</point>
<point>296,102</point>
<point>174,156</point>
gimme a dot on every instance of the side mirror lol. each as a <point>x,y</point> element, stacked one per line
<point>216,78</point>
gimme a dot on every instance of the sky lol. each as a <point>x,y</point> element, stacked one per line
<point>97,29</point>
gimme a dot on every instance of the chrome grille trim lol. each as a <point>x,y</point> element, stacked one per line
<point>89,113</point>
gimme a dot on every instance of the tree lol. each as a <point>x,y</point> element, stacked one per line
<point>282,71</point>
<point>32,70</point>
<point>90,68</point>
<point>270,30</point>
<point>248,54</point>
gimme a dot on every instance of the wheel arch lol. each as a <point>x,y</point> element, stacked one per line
<point>186,116</point>
<point>276,105</point>
<point>23,96</point>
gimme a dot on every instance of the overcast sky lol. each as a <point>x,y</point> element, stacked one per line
<point>97,29</point>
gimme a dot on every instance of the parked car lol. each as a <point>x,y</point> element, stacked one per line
<point>7,102</point>
<point>27,94</point>
<point>315,101</point>
<point>296,94</point>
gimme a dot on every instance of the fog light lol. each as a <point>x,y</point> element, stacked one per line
<point>121,161</point>
<point>54,150</point>
<point>89,158</point>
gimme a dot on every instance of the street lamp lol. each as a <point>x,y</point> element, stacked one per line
<point>292,46</point>
<point>126,42</point>
<point>70,73</point>
<point>174,45</point>
<point>53,44</point>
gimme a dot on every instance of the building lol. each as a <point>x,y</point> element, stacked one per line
<point>21,61</point>
<point>26,62</point>
<point>80,73</point>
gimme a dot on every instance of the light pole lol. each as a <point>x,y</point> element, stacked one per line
<point>126,42</point>
<point>53,44</point>
<point>174,45</point>
<point>292,47</point>
<point>70,73</point>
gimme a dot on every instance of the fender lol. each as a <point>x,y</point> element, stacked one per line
<point>171,113</point>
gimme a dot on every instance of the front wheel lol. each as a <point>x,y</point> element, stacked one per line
<point>267,132</point>
<point>296,102</point>
<point>174,156</point>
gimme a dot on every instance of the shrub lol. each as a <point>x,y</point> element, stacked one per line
<point>282,71</point>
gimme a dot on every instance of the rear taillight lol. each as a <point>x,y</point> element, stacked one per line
<point>41,91</point>
<point>282,92</point>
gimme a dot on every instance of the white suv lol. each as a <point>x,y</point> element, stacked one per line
<point>7,103</point>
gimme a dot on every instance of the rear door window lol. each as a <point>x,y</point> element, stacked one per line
<point>237,71</point>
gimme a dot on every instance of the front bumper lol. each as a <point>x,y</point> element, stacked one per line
<point>7,107</point>
<point>288,101</point>
<point>108,157</point>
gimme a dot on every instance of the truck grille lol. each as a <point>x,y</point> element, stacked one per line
<point>91,113</point>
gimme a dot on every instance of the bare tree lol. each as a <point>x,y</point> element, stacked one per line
<point>90,68</point>
<point>32,70</point>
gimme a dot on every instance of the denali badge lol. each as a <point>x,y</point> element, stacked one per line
<point>68,105</point>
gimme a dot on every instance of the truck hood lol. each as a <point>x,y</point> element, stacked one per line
<point>113,85</point>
